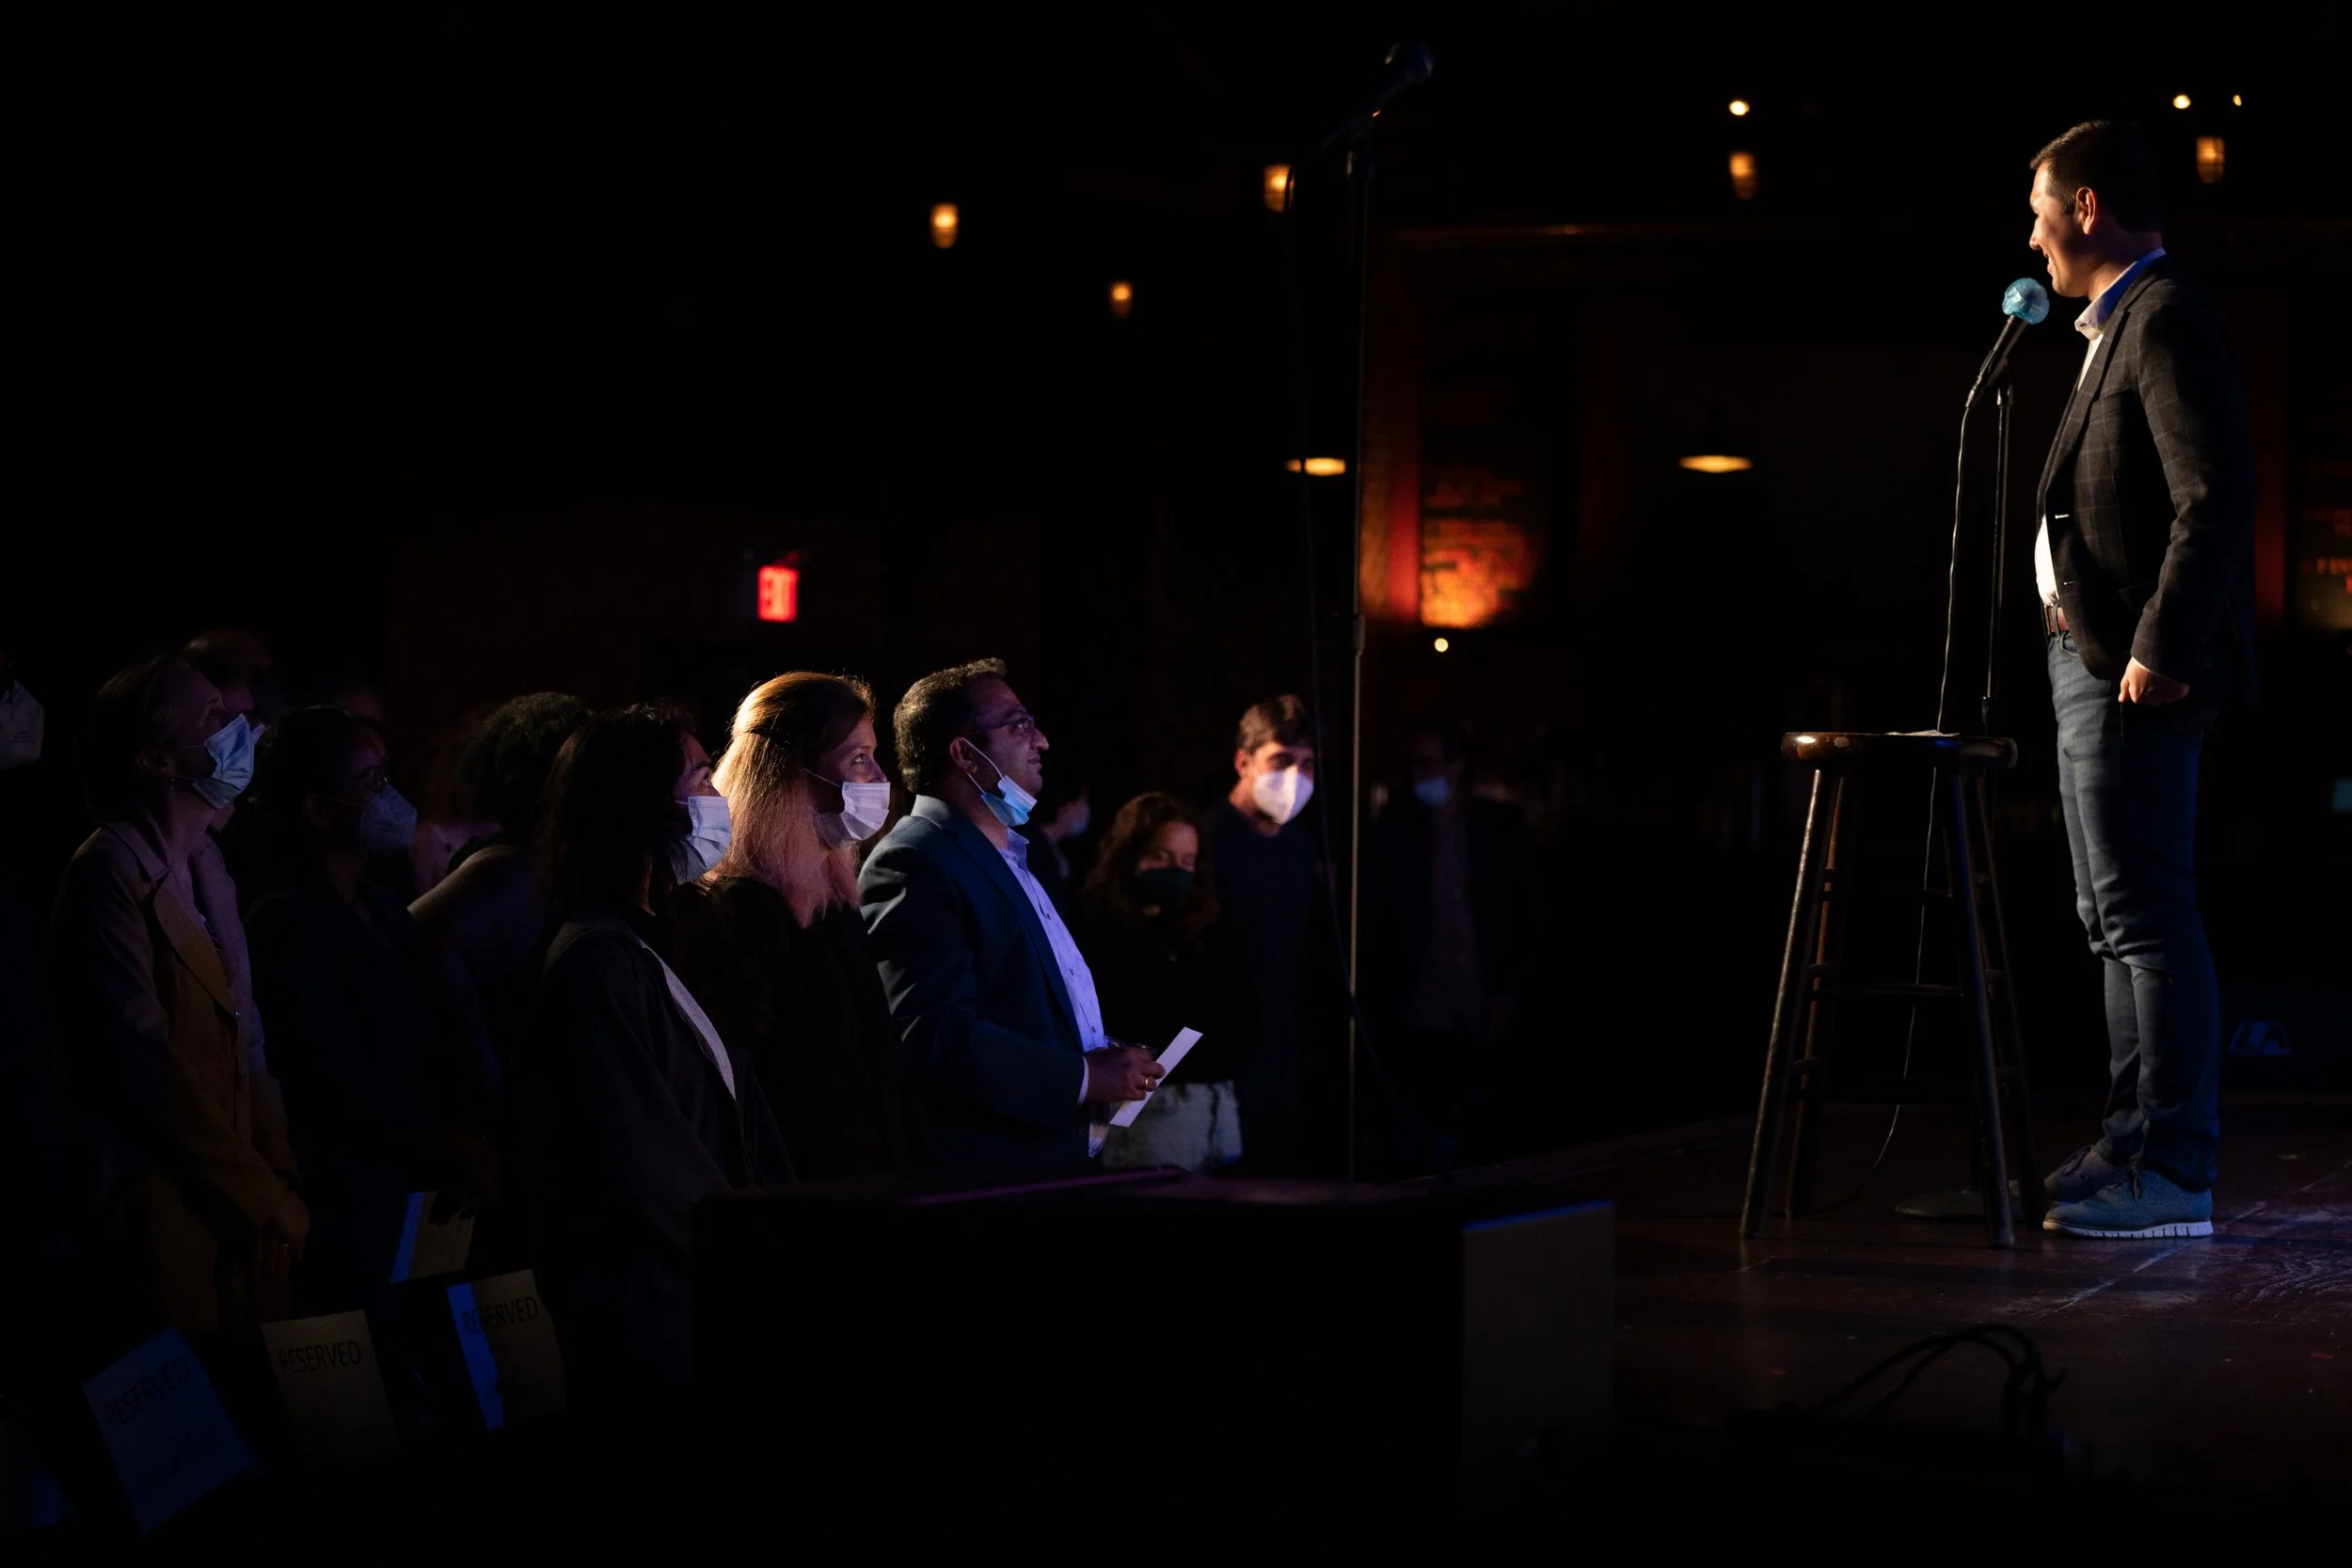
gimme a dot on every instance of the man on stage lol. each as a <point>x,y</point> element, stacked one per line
<point>2144,562</point>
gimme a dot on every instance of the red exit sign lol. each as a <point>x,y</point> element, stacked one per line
<point>779,593</point>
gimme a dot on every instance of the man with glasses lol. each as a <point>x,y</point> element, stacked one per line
<point>986,983</point>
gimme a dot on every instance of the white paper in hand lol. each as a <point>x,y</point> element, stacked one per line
<point>1185,1040</point>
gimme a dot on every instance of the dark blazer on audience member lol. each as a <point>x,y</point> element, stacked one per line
<point>147,1033</point>
<point>377,1076</point>
<point>976,994</point>
<point>624,1126</point>
<point>808,1007</point>
<point>2149,490</point>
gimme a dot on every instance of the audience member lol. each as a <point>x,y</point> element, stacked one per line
<point>194,1225</point>
<point>36,1225</point>
<point>357,697</point>
<point>236,661</point>
<point>1451,925</point>
<point>772,941</point>
<point>449,823</point>
<point>487,919</point>
<point>1062,817</point>
<point>985,980</point>
<point>381,1089</point>
<point>1150,928</point>
<point>1270,881</point>
<point>633,1110</point>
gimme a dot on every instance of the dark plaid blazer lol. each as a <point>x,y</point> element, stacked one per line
<point>2149,494</point>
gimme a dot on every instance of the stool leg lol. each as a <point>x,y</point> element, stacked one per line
<point>2026,1133</point>
<point>1999,1225</point>
<point>1810,1072</point>
<point>1786,1006</point>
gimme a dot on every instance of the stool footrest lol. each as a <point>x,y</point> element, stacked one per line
<point>1885,1091</point>
<point>1889,992</point>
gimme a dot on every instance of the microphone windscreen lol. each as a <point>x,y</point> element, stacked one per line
<point>2026,299</point>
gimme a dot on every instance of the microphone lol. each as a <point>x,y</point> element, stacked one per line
<point>1409,65</point>
<point>2023,303</point>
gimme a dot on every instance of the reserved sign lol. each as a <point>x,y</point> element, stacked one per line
<point>509,1343</point>
<point>170,1440</point>
<point>332,1388</point>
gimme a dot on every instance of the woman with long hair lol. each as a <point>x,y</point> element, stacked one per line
<point>1151,937</point>
<point>772,939</point>
<point>631,1109</point>
<point>486,919</point>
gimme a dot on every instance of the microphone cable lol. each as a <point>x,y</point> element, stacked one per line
<point>1927,852</point>
<point>1416,1127</point>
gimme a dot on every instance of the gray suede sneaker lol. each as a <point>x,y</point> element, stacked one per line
<point>2139,1204</point>
<point>2085,1172</point>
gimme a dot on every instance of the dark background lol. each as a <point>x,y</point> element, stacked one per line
<point>478,349</point>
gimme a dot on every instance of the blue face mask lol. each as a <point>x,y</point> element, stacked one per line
<point>231,750</point>
<point>1009,803</point>
<point>1433,793</point>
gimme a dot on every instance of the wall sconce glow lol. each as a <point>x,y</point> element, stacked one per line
<point>2209,159</point>
<point>779,593</point>
<point>1739,107</point>
<point>2180,101</point>
<point>2238,100</point>
<point>1320,467</point>
<point>1122,298</point>
<point>1441,644</point>
<point>1743,176</point>
<point>1715,463</point>
<point>944,225</point>
<point>1278,187</point>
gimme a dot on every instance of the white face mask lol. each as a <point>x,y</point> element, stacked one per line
<point>1282,793</point>
<point>20,723</point>
<point>864,807</point>
<point>1010,804</point>
<point>231,750</point>
<point>387,823</point>
<point>710,829</point>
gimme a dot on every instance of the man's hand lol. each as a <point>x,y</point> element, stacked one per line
<point>1121,1072</point>
<point>2143,685</point>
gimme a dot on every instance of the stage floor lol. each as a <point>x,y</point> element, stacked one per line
<point>2221,1362</point>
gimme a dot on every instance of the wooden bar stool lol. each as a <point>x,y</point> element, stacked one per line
<point>1814,985</point>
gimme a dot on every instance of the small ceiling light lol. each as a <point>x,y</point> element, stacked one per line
<point>1320,467</point>
<point>1441,644</point>
<point>1122,298</point>
<point>1715,463</point>
<point>1743,176</point>
<point>944,225</point>
<point>2238,100</point>
<point>1278,187</point>
<point>2209,159</point>
<point>2180,101</point>
<point>1739,107</point>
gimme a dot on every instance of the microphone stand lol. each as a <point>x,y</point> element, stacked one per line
<point>1967,1203</point>
<point>2004,397</point>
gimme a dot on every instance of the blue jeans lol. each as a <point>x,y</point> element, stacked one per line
<point>2127,782</point>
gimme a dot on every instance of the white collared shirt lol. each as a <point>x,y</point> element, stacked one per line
<point>1075,976</point>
